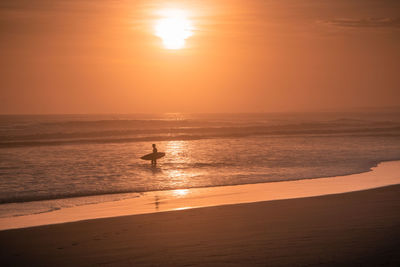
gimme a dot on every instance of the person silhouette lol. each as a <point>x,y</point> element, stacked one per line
<point>154,160</point>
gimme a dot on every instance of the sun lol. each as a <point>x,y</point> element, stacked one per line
<point>173,28</point>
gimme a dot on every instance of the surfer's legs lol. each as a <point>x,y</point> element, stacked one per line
<point>153,162</point>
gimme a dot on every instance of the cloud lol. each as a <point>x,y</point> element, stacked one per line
<point>365,23</point>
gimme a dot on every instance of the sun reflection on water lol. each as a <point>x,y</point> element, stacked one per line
<point>179,174</point>
<point>178,150</point>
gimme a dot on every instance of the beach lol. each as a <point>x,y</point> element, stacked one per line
<point>294,190</point>
<point>359,228</point>
<point>199,133</point>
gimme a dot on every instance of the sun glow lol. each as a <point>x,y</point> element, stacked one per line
<point>173,28</point>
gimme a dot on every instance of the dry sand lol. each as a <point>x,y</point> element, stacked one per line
<point>359,228</point>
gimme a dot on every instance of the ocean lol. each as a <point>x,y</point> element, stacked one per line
<point>49,162</point>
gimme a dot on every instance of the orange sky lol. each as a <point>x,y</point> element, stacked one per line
<point>244,56</point>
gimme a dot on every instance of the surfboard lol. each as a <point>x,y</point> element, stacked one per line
<point>152,156</point>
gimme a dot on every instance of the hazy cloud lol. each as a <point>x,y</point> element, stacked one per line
<point>365,23</point>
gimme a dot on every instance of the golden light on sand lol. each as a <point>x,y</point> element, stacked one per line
<point>173,28</point>
<point>180,192</point>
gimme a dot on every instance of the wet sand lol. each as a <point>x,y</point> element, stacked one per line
<point>358,228</point>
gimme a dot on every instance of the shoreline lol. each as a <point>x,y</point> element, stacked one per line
<point>384,174</point>
<point>129,194</point>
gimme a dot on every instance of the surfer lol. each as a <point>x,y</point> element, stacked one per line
<point>153,156</point>
<point>154,160</point>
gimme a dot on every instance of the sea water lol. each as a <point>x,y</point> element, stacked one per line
<point>49,162</point>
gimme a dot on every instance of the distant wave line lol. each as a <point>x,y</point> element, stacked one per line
<point>391,131</point>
